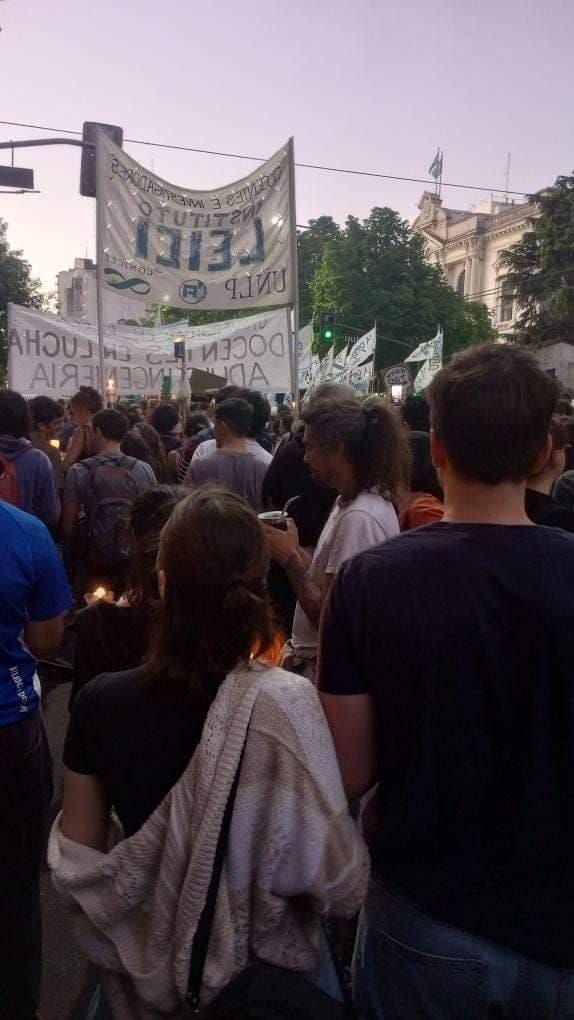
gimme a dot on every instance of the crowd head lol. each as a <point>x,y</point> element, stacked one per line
<point>15,417</point>
<point>233,420</point>
<point>365,440</point>
<point>84,404</point>
<point>415,413</point>
<point>490,411</point>
<point>109,426</point>
<point>213,562</point>
<point>47,416</point>
<point>149,513</point>
<point>165,419</point>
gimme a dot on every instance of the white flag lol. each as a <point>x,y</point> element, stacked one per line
<point>304,341</point>
<point>224,247</point>
<point>362,349</point>
<point>360,378</point>
<point>326,365</point>
<point>339,367</point>
<point>315,369</point>
<point>428,349</point>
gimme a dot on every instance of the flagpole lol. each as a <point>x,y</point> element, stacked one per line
<point>99,269</point>
<point>295,277</point>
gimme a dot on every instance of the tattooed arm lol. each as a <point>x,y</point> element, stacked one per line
<point>310,595</point>
<point>285,550</point>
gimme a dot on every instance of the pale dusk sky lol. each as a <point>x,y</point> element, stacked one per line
<point>369,85</point>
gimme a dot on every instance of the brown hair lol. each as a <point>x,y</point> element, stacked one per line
<point>371,436</point>
<point>88,398</point>
<point>215,613</point>
<point>491,407</point>
<point>155,453</point>
<point>149,512</point>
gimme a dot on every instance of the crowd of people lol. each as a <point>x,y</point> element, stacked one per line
<point>321,670</point>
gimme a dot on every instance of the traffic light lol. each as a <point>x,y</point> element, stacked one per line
<point>179,348</point>
<point>327,329</point>
<point>88,167</point>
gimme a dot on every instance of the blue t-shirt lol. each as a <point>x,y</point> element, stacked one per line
<point>33,587</point>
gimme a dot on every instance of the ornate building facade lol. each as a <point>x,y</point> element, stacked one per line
<point>467,246</point>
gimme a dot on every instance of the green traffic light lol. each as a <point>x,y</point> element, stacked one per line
<point>328,334</point>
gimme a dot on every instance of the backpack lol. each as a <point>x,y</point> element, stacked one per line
<point>9,485</point>
<point>110,492</point>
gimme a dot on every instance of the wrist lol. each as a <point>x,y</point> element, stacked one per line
<point>290,559</point>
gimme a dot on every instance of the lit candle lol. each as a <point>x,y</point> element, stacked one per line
<point>55,443</point>
<point>100,593</point>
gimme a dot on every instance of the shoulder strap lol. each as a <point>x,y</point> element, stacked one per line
<point>203,932</point>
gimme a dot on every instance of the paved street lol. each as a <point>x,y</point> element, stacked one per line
<point>65,972</point>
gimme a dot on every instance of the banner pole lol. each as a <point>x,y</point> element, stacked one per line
<point>99,271</point>
<point>295,271</point>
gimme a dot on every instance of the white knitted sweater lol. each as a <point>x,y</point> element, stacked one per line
<point>294,852</point>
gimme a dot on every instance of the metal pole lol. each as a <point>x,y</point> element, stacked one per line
<point>295,271</point>
<point>100,269</point>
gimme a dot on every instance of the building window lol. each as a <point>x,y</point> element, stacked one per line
<point>506,302</point>
<point>460,284</point>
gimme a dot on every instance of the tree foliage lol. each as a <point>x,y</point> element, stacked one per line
<point>16,286</point>
<point>541,269</point>
<point>375,270</point>
<point>311,245</point>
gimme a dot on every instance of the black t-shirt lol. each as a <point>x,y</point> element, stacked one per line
<point>137,737</point>
<point>109,638</point>
<point>464,636</point>
<point>543,509</point>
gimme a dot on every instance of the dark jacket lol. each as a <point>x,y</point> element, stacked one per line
<point>543,509</point>
<point>38,494</point>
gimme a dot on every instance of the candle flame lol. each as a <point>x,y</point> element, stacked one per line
<point>100,593</point>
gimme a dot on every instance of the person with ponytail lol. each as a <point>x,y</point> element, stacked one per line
<point>163,745</point>
<point>361,451</point>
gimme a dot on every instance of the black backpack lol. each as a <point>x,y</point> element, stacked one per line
<point>110,492</point>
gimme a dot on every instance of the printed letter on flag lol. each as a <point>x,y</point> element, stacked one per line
<point>227,248</point>
<point>428,349</point>
<point>363,348</point>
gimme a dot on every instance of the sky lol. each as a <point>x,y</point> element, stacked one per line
<point>369,85</point>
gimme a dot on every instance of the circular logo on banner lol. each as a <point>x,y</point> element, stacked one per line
<point>192,292</point>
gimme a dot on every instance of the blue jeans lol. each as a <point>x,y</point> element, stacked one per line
<point>408,966</point>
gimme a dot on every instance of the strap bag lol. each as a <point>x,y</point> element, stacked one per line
<point>261,991</point>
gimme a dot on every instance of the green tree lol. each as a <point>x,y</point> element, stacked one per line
<point>375,270</point>
<point>311,245</point>
<point>541,269</point>
<point>16,286</point>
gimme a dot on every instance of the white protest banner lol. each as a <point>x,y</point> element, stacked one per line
<point>53,357</point>
<point>362,349</point>
<point>397,375</point>
<point>428,349</point>
<point>304,341</point>
<point>225,248</point>
<point>360,378</point>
